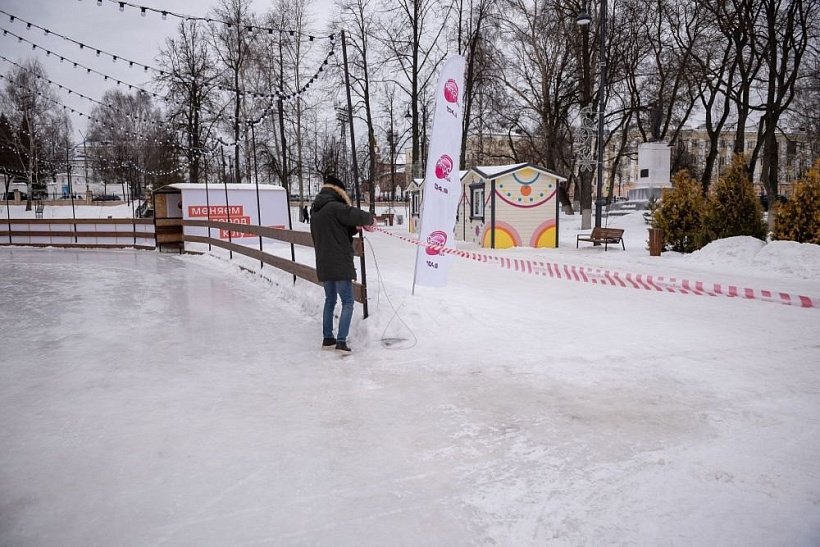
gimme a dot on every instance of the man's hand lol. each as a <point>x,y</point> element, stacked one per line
<point>370,228</point>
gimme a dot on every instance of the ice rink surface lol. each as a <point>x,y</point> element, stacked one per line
<point>158,399</point>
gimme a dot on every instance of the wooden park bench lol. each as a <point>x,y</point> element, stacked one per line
<point>603,235</point>
<point>38,209</point>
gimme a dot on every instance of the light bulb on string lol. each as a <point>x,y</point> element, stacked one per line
<point>142,12</point>
<point>122,6</point>
<point>164,15</point>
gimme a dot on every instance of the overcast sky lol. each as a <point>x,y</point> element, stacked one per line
<point>125,34</point>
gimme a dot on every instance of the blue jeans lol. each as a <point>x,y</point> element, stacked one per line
<point>345,291</point>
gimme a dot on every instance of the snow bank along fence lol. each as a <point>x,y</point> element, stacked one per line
<point>598,276</point>
<point>82,232</point>
<point>293,237</point>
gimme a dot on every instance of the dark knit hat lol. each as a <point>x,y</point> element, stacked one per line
<point>334,180</point>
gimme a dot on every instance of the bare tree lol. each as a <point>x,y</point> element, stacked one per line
<point>412,38</point>
<point>232,40</point>
<point>359,17</point>
<point>36,125</point>
<point>541,84</point>
<point>475,34</point>
<point>133,143</point>
<point>782,42</point>
<point>190,77</point>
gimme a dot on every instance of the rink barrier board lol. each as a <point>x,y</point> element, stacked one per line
<point>599,276</point>
<point>101,233</point>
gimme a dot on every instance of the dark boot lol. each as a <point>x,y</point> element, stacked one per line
<point>343,348</point>
<point>328,343</point>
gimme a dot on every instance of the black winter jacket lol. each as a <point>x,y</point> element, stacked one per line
<point>333,222</point>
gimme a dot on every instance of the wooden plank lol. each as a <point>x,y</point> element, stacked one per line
<point>67,233</point>
<point>279,234</point>
<point>288,236</point>
<point>164,222</point>
<point>83,246</point>
<point>141,221</point>
<point>163,239</point>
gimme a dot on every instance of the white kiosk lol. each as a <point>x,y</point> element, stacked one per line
<point>265,205</point>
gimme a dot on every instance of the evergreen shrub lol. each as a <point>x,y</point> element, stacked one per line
<point>680,214</point>
<point>732,208</point>
<point>799,218</point>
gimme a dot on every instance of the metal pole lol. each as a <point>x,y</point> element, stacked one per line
<point>131,193</point>
<point>227,205</point>
<point>285,182</point>
<point>6,195</point>
<point>355,167</point>
<point>207,201</point>
<point>85,164</point>
<point>256,176</point>
<point>599,201</point>
<point>71,191</point>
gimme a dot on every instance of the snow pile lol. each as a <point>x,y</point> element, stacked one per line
<point>787,258</point>
<point>790,258</point>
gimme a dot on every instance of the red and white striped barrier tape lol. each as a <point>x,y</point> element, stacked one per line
<point>599,276</point>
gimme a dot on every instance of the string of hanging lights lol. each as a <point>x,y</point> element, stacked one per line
<point>82,45</point>
<point>88,70</point>
<point>70,91</point>
<point>248,124</point>
<point>89,116</point>
<point>275,96</point>
<point>144,10</point>
<point>106,77</point>
<point>185,164</point>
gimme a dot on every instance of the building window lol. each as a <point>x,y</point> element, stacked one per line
<point>477,201</point>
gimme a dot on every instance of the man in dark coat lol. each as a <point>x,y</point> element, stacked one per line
<point>334,222</point>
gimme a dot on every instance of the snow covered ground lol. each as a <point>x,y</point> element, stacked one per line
<point>159,399</point>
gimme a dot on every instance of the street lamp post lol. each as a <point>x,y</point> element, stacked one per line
<point>585,19</point>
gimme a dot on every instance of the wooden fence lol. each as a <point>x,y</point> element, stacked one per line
<point>159,232</point>
<point>293,237</point>
<point>82,232</point>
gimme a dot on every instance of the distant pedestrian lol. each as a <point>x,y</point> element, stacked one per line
<point>334,223</point>
<point>305,214</point>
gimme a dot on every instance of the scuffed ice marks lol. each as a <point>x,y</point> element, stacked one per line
<point>509,457</point>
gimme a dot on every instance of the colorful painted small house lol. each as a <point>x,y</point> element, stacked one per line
<point>509,206</point>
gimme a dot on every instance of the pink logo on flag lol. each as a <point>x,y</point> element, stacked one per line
<point>443,166</point>
<point>435,238</point>
<point>451,91</point>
